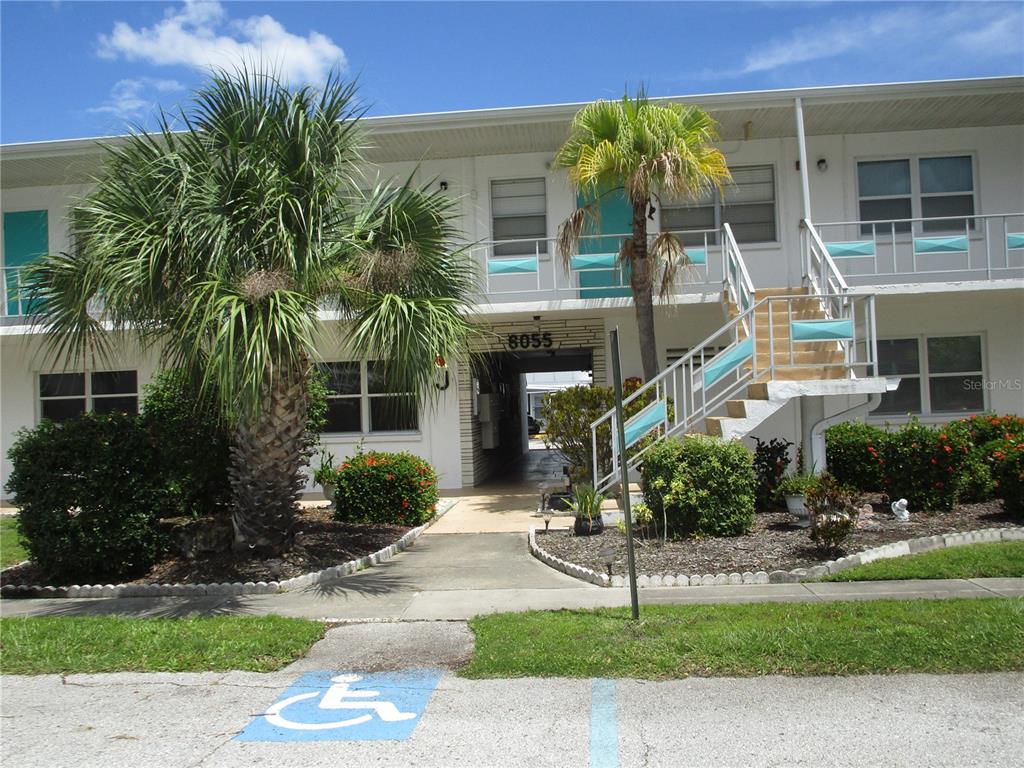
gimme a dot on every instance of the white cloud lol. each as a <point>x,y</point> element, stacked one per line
<point>131,99</point>
<point>984,31</point>
<point>199,34</point>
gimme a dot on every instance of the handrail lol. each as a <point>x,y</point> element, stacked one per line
<point>887,222</point>
<point>743,293</point>
<point>697,385</point>
<point>820,269</point>
<point>691,407</point>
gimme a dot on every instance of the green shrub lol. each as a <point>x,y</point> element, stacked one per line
<point>1007,460</point>
<point>387,488</point>
<point>986,427</point>
<point>568,414</point>
<point>660,464</point>
<point>193,445</point>
<point>711,488</point>
<point>771,460</point>
<point>89,496</point>
<point>924,465</point>
<point>852,452</point>
<point>833,510</point>
<point>976,481</point>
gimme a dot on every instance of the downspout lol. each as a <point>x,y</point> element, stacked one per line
<point>817,446</point>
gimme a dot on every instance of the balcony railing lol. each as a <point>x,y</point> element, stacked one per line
<point>980,247</point>
<point>526,270</point>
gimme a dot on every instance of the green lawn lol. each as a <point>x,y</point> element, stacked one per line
<point>11,552</point>
<point>35,646</point>
<point>1002,559</point>
<point>672,641</point>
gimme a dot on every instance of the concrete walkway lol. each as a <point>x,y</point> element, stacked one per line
<point>458,576</point>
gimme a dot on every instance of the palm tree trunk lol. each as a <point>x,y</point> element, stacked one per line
<point>643,293</point>
<point>266,470</point>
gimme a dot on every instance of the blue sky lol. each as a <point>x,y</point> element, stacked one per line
<point>75,69</point>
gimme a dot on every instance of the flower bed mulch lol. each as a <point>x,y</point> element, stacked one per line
<point>320,542</point>
<point>774,544</point>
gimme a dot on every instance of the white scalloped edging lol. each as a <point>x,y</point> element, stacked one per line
<point>895,549</point>
<point>324,576</point>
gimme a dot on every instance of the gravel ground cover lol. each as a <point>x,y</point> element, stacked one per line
<point>774,543</point>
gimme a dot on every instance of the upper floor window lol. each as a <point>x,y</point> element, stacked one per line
<point>26,238</point>
<point>361,400</point>
<point>748,206</point>
<point>519,213</point>
<point>923,187</point>
<point>939,374</point>
<point>66,395</point>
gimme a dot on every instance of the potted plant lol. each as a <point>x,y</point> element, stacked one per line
<point>586,505</point>
<point>794,489</point>
<point>326,476</point>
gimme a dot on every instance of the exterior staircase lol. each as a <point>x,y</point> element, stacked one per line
<point>777,344</point>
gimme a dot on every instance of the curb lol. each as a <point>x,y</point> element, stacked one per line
<point>886,551</point>
<point>323,576</point>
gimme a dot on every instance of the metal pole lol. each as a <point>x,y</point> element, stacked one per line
<point>801,141</point>
<point>620,427</point>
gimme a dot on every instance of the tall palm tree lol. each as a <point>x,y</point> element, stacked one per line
<point>648,150</point>
<point>221,246</point>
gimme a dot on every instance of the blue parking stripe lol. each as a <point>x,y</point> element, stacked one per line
<point>604,727</point>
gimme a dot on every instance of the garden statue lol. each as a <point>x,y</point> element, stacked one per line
<point>899,509</point>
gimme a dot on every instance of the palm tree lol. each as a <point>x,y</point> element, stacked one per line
<point>221,246</point>
<point>647,150</point>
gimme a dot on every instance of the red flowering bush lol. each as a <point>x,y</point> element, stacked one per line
<point>852,453</point>
<point>388,488</point>
<point>924,465</point>
<point>986,427</point>
<point>1007,460</point>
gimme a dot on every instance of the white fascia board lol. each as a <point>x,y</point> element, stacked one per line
<point>961,286</point>
<point>737,100</point>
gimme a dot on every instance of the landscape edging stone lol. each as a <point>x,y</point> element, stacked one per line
<point>322,576</point>
<point>883,552</point>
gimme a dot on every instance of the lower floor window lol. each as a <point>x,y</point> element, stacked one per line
<point>361,400</point>
<point>939,374</point>
<point>66,395</point>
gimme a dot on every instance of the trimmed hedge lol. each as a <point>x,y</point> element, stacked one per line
<point>1007,457</point>
<point>703,485</point>
<point>193,445</point>
<point>386,488</point>
<point>851,450</point>
<point>89,495</point>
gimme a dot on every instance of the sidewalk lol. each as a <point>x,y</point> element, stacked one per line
<point>376,595</point>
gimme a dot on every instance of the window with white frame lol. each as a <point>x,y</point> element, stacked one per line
<point>519,213</point>
<point>361,401</point>
<point>918,187</point>
<point>66,395</point>
<point>748,206</point>
<point>939,374</point>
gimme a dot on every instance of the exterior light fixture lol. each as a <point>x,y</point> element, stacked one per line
<point>547,515</point>
<point>607,556</point>
<point>823,165</point>
<point>444,186</point>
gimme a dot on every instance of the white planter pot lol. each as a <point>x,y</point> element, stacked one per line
<point>797,508</point>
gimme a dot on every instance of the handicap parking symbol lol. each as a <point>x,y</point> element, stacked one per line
<point>332,706</point>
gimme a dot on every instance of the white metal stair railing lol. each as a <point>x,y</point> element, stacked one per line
<point>737,287</point>
<point>820,271</point>
<point>681,395</point>
<point>701,382</point>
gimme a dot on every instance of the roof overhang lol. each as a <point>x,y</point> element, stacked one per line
<point>832,110</point>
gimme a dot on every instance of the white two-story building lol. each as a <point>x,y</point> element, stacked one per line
<point>909,193</point>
